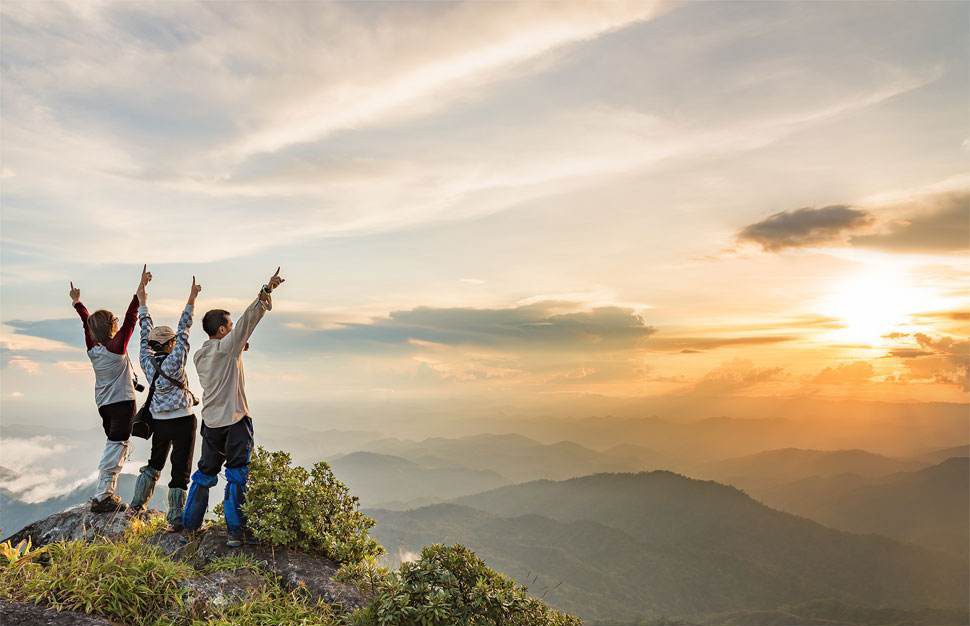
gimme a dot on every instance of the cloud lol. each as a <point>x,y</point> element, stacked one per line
<point>209,115</point>
<point>846,373</point>
<point>733,376</point>
<point>24,452</point>
<point>691,345</point>
<point>944,360</point>
<point>804,227</point>
<point>932,224</point>
<point>543,326</point>
<point>25,364</point>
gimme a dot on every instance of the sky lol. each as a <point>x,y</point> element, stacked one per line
<point>495,200</point>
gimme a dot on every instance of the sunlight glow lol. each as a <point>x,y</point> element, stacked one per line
<point>875,302</point>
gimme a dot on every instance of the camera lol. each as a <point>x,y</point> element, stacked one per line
<point>138,386</point>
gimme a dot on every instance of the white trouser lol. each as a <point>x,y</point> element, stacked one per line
<point>113,459</point>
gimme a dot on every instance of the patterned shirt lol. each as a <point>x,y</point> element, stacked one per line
<point>170,400</point>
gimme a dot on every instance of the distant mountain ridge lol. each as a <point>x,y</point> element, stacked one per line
<point>381,479</point>
<point>626,546</point>
<point>929,507</point>
<point>773,467</point>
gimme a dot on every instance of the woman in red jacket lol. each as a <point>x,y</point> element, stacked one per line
<point>114,390</point>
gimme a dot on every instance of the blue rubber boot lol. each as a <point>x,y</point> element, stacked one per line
<point>198,500</point>
<point>236,478</point>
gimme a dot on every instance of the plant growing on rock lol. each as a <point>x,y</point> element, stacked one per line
<point>309,510</point>
<point>449,585</point>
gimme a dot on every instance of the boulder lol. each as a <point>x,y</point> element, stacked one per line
<point>310,572</point>
<point>77,523</point>
<point>24,614</point>
<point>210,593</point>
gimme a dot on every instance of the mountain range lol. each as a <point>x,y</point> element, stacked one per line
<point>645,545</point>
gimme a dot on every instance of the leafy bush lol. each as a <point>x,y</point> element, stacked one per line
<point>128,580</point>
<point>449,585</point>
<point>309,510</point>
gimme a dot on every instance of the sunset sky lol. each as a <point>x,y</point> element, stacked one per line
<point>514,200</point>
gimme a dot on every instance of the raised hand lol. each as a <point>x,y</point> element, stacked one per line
<point>75,293</point>
<point>146,277</point>
<point>194,291</point>
<point>275,280</point>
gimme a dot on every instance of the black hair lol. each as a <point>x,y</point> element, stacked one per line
<point>213,319</point>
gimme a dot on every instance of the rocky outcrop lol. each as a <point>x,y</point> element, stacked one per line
<point>77,523</point>
<point>213,592</point>
<point>23,614</point>
<point>295,570</point>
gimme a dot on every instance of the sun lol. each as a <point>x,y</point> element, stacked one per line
<point>873,303</point>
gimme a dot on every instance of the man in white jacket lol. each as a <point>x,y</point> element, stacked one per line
<point>227,428</point>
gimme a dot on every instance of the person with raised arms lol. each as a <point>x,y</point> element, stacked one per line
<point>163,354</point>
<point>227,427</point>
<point>114,390</point>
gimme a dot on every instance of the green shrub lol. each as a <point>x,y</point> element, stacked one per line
<point>128,581</point>
<point>309,510</point>
<point>450,585</point>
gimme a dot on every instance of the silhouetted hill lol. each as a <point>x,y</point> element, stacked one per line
<point>775,467</point>
<point>380,478</point>
<point>929,507</point>
<point>717,548</point>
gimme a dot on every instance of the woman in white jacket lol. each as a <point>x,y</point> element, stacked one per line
<point>114,390</point>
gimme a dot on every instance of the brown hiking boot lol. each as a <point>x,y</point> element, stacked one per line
<point>108,504</point>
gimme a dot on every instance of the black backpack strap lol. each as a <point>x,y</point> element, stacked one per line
<point>181,385</point>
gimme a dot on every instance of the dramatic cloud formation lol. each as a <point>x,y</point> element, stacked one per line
<point>804,227</point>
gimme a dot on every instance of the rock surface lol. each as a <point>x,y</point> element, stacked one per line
<point>22,614</point>
<point>215,591</point>
<point>311,572</point>
<point>77,523</point>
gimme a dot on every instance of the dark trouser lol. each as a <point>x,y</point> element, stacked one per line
<point>178,436</point>
<point>116,418</point>
<point>230,445</point>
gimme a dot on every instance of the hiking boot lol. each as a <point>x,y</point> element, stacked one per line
<point>174,527</point>
<point>235,538</point>
<point>249,538</point>
<point>109,504</point>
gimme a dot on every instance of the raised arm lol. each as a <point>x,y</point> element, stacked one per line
<point>82,312</point>
<point>181,349</point>
<point>119,343</point>
<point>144,352</point>
<point>243,329</point>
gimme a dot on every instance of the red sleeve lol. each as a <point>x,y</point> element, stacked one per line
<point>82,312</point>
<point>119,343</point>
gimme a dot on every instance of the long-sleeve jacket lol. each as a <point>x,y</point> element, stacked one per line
<point>220,368</point>
<point>112,369</point>
<point>170,400</point>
